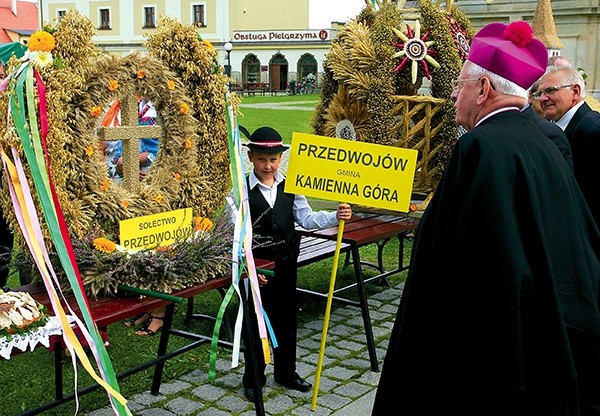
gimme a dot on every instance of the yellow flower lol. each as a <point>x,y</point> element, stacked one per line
<point>113,84</point>
<point>141,74</point>
<point>171,84</point>
<point>105,185</point>
<point>188,143</point>
<point>41,41</point>
<point>208,45</point>
<point>104,245</point>
<point>96,111</point>
<point>89,150</point>
<point>159,198</point>
<point>184,108</point>
<point>202,224</point>
<point>177,176</point>
<point>125,203</point>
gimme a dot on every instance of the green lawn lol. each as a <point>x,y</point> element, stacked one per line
<point>284,121</point>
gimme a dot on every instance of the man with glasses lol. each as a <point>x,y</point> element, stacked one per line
<point>534,111</point>
<point>562,96</point>
<point>499,313</point>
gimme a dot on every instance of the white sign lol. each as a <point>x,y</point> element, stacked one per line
<point>316,35</point>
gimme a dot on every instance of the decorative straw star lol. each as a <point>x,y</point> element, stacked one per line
<point>416,49</point>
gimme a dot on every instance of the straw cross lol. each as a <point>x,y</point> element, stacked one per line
<point>130,133</point>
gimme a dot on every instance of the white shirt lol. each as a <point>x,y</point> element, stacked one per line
<point>303,213</point>
<point>564,121</point>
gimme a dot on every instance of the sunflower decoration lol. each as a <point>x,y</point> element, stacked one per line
<point>416,49</point>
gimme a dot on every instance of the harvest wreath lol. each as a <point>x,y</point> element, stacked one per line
<point>187,87</point>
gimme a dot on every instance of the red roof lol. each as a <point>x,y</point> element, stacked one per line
<point>27,18</point>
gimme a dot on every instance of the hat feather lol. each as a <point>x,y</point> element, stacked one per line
<point>520,33</point>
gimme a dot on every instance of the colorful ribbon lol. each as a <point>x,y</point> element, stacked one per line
<point>242,257</point>
<point>24,114</point>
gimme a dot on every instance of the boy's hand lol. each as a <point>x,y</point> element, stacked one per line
<point>344,212</point>
<point>262,280</point>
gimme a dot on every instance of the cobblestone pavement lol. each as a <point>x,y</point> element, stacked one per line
<point>347,384</point>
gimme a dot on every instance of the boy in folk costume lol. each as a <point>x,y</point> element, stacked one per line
<point>274,214</point>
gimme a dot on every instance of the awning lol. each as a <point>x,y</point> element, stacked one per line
<point>7,49</point>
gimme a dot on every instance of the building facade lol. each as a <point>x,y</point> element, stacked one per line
<point>272,44</point>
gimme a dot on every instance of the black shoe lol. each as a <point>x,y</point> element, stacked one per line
<point>295,383</point>
<point>249,393</point>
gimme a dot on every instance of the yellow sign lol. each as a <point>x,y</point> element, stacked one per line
<point>349,171</point>
<point>155,230</point>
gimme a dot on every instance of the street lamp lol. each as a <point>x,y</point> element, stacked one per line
<point>228,47</point>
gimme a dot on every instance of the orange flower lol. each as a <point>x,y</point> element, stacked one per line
<point>113,84</point>
<point>171,84</point>
<point>41,41</point>
<point>104,245</point>
<point>202,224</point>
<point>188,143</point>
<point>105,185</point>
<point>125,203</point>
<point>184,108</point>
<point>141,74</point>
<point>177,176</point>
<point>164,249</point>
<point>89,150</point>
<point>96,111</point>
<point>159,198</point>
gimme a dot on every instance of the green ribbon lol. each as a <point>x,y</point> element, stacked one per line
<point>42,186</point>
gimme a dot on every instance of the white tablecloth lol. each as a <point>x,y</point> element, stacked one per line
<point>31,339</point>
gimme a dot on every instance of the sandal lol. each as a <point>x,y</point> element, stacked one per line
<point>146,331</point>
<point>138,320</point>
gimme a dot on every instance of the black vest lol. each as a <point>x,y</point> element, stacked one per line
<point>274,232</point>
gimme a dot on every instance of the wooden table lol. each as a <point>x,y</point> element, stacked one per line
<point>108,310</point>
<point>361,230</point>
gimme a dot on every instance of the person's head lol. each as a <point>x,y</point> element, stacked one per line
<point>503,62</point>
<point>558,60</point>
<point>533,99</point>
<point>265,149</point>
<point>560,89</point>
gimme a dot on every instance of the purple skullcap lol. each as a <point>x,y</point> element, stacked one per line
<point>510,52</point>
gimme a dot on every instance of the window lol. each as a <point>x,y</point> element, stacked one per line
<point>60,13</point>
<point>250,70</point>
<point>307,64</point>
<point>104,19</point>
<point>149,17</point>
<point>198,16</point>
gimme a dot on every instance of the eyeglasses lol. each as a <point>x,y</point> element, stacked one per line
<point>549,90</point>
<point>458,83</point>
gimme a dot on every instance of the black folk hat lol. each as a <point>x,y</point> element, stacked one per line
<point>264,140</point>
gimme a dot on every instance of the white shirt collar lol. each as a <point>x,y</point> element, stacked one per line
<point>564,121</point>
<point>255,181</point>
<point>500,110</point>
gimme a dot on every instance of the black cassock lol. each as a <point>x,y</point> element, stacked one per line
<point>499,314</point>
